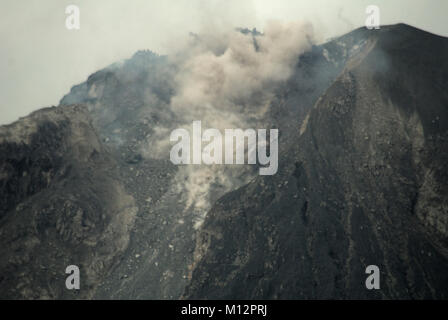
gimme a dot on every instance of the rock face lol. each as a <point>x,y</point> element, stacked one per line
<point>62,204</point>
<point>364,182</point>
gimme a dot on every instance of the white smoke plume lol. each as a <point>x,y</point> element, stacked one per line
<point>226,80</point>
<point>226,74</point>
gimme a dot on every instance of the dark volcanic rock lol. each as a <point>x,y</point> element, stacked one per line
<point>61,204</point>
<point>364,182</point>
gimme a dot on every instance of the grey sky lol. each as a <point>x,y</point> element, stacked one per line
<point>40,59</point>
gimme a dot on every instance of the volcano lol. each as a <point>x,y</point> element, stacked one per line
<point>362,180</point>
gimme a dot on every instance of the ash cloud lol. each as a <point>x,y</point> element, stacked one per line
<point>226,79</point>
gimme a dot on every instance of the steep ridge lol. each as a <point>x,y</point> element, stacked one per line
<point>364,182</point>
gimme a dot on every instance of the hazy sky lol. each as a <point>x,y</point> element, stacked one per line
<point>40,59</point>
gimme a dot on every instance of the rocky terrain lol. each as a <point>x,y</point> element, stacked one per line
<point>62,204</point>
<point>362,180</point>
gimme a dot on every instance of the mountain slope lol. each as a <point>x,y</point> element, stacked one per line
<point>364,182</point>
<point>62,205</point>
